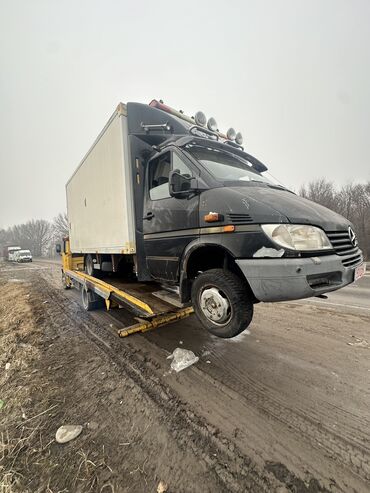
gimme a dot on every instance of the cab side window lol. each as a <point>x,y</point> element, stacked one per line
<point>178,164</point>
<point>159,173</point>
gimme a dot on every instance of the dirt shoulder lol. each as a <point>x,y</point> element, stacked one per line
<point>136,432</point>
<point>282,409</point>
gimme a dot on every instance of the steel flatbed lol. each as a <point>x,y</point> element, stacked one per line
<point>152,306</point>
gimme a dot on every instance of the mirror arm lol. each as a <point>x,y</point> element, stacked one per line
<point>190,191</point>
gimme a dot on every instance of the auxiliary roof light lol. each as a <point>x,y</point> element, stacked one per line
<point>239,138</point>
<point>212,124</point>
<point>231,134</point>
<point>200,118</point>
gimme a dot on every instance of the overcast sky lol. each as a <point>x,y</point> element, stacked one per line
<point>293,76</point>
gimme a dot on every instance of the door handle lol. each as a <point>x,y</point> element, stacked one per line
<point>149,216</point>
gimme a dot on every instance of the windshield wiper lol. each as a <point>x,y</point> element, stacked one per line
<point>278,187</point>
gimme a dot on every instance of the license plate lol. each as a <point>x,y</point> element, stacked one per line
<point>360,271</point>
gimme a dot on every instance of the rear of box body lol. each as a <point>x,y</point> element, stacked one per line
<point>100,194</point>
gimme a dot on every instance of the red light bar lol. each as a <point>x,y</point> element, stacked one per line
<point>156,104</point>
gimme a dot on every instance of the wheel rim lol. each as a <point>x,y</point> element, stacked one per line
<point>89,265</point>
<point>85,301</point>
<point>215,305</point>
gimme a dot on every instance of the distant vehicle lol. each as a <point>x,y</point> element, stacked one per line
<point>23,256</point>
<point>9,252</point>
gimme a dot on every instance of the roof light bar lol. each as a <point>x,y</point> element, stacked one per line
<point>159,105</point>
<point>239,138</point>
<point>231,134</point>
<point>199,119</point>
<point>212,124</point>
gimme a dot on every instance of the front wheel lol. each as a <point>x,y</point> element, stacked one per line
<point>220,300</point>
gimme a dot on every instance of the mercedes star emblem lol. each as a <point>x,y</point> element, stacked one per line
<point>352,236</point>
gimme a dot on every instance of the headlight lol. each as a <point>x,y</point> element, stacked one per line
<point>297,236</point>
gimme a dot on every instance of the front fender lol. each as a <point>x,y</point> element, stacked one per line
<point>202,242</point>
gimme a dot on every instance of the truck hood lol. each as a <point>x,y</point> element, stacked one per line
<point>264,204</point>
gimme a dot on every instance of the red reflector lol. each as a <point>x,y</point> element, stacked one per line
<point>156,104</point>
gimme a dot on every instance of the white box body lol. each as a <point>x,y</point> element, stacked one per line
<point>100,194</point>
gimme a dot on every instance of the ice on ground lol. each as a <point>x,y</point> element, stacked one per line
<point>182,358</point>
<point>240,336</point>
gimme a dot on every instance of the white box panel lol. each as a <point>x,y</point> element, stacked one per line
<point>99,194</point>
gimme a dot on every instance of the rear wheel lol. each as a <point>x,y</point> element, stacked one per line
<point>89,265</point>
<point>65,282</point>
<point>90,300</point>
<point>220,300</point>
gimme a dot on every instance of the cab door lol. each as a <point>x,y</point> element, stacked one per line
<point>169,223</point>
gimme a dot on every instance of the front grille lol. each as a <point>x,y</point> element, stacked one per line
<point>342,245</point>
<point>239,218</point>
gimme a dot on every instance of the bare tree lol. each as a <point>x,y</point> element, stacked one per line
<point>321,191</point>
<point>59,230</point>
<point>37,233</point>
<point>34,235</point>
<point>351,200</point>
<point>39,236</point>
<point>60,226</point>
<point>3,240</point>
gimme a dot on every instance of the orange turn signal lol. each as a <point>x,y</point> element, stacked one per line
<point>212,217</point>
<point>229,228</point>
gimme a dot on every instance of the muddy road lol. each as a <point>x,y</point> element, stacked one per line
<point>283,407</point>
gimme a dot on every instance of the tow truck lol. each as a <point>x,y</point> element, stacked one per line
<point>168,214</point>
<point>152,306</point>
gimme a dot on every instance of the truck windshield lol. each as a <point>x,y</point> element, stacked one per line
<point>226,167</point>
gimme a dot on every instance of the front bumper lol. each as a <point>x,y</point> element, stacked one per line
<point>284,279</point>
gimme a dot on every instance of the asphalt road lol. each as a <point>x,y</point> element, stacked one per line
<point>292,393</point>
<point>356,296</point>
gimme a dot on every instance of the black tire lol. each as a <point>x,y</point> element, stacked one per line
<point>229,286</point>
<point>89,265</point>
<point>90,300</point>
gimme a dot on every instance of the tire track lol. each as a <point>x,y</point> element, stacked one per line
<point>342,444</point>
<point>234,472</point>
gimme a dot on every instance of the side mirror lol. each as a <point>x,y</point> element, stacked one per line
<point>58,248</point>
<point>180,185</point>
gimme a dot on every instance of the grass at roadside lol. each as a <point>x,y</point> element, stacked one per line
<point>18,334</point>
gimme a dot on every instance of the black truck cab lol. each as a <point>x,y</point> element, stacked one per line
<point>209,223</point>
